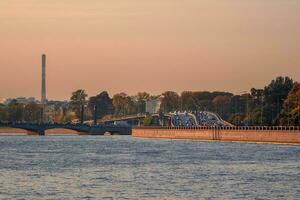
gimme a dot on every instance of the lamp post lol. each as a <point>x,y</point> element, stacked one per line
<point>95,114</point>
<point>247,109</point>
<point>298,106</point>
<point>261,111</point>
<point>82,114</point>
<point>288,111</point>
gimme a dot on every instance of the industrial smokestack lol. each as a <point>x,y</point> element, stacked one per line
<point>43,99</point>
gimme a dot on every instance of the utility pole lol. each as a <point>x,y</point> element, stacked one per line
<point>261,111</point>
<point>95,114</point>
<point>241,94</point>
<point>298,106</point>
<point>81,114</point>
<point>288,111</point>
<point>247,110</point>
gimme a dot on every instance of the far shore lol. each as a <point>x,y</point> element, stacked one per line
<point>15,131</point>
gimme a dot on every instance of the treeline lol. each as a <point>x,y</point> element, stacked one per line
<point>275,104</point>
<point>33,112</point>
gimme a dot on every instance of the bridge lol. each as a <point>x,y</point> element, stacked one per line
<point>40,129</point>
<point>176,118</point>
<point>135,119</point>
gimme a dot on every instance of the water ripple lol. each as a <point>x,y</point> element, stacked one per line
<point>125,168</point>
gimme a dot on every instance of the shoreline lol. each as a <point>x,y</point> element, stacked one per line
<point>216,141</point>
<point>283,137</point>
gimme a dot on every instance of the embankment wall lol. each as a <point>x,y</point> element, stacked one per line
<point>57,131</point>
<point>267,136</point>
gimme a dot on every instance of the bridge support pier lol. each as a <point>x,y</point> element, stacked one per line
<point>41,132</point>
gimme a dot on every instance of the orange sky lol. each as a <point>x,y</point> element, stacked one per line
<point>139,45</point>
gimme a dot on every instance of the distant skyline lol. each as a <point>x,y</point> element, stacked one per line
<point>153,46</point>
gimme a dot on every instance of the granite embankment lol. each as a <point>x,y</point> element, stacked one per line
<point>16,131</point>
<point>285,135</point>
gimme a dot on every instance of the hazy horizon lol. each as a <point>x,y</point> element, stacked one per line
<point>153,46</point>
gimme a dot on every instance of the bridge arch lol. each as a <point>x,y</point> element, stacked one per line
<point>63,131</point>
<point>112,133</point>
<point>7,131</point>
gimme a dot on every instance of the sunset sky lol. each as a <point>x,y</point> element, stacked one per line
<point>146,45</point>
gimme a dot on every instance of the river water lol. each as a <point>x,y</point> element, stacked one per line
<point>119,167</point>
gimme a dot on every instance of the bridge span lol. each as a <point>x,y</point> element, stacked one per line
<point>40,129</point>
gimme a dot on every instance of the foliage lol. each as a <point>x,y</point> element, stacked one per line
<point>33,112</point>
<point>124,105</point>
<point>16,111</point>
<point>275,104</point>
<point>187,101</point>
<point>290,113</point>
<point>141,99</point>
<point>222,103</point>
<point>237,119</point>
<point>102,103</point>
<point>170,102</point>
<point>70,116</point>
<point>77,101</point>
<point>4,115</point>
<point>147,121</point>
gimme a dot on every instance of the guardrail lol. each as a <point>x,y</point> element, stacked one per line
<point>250,128</point>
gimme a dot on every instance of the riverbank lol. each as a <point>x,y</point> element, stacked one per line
<point>16,131</point>
<point>254,135</point>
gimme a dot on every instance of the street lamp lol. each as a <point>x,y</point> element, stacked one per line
<point>247,106</point>
<point>298,106</point>
<point>288,111</point>
<point>261,110</point>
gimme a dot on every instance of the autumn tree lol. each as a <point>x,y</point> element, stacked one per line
<point>290,114</point>
<point>4,115</point>
<point>16,111</point>
<point>123,104</point>
<point>32,112</point>
<point>187,101</point>
<point>141,98</point>
<point>102,103</point>
<point>77,102</point>
<point>170,101</point>
<point>221,102</point>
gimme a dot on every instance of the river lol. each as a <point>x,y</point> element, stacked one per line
<point>120,167</point>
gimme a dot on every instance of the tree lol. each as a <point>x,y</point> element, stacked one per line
<point>141,99</point>
<point>187,101</point>
<point>170,102</point>
<point>222,104</point>
<point>4,116</point>
<point>204,100</point>
<point>78,101</point>
<point>237,119</point>
<point>16,111</point>
<point>290,114</point>
<point>33,112</point>
<point>274,96</point>
<point>103,104</point>
<point>123,104</point>
<point>148,121</point>
<point>69,117</point>
<point>257,94</point>
<point>59,115</point>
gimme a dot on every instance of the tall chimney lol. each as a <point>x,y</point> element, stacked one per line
<point>43,99</point>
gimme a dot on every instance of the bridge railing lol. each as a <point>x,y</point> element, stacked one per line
<point>234,128</point>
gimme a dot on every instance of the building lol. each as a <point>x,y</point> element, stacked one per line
<point>50,113</point>
<point>21,100</point>
<point>153,106</point>
<point>2,100</point>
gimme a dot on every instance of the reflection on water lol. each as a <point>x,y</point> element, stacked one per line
<point>119,167</point>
